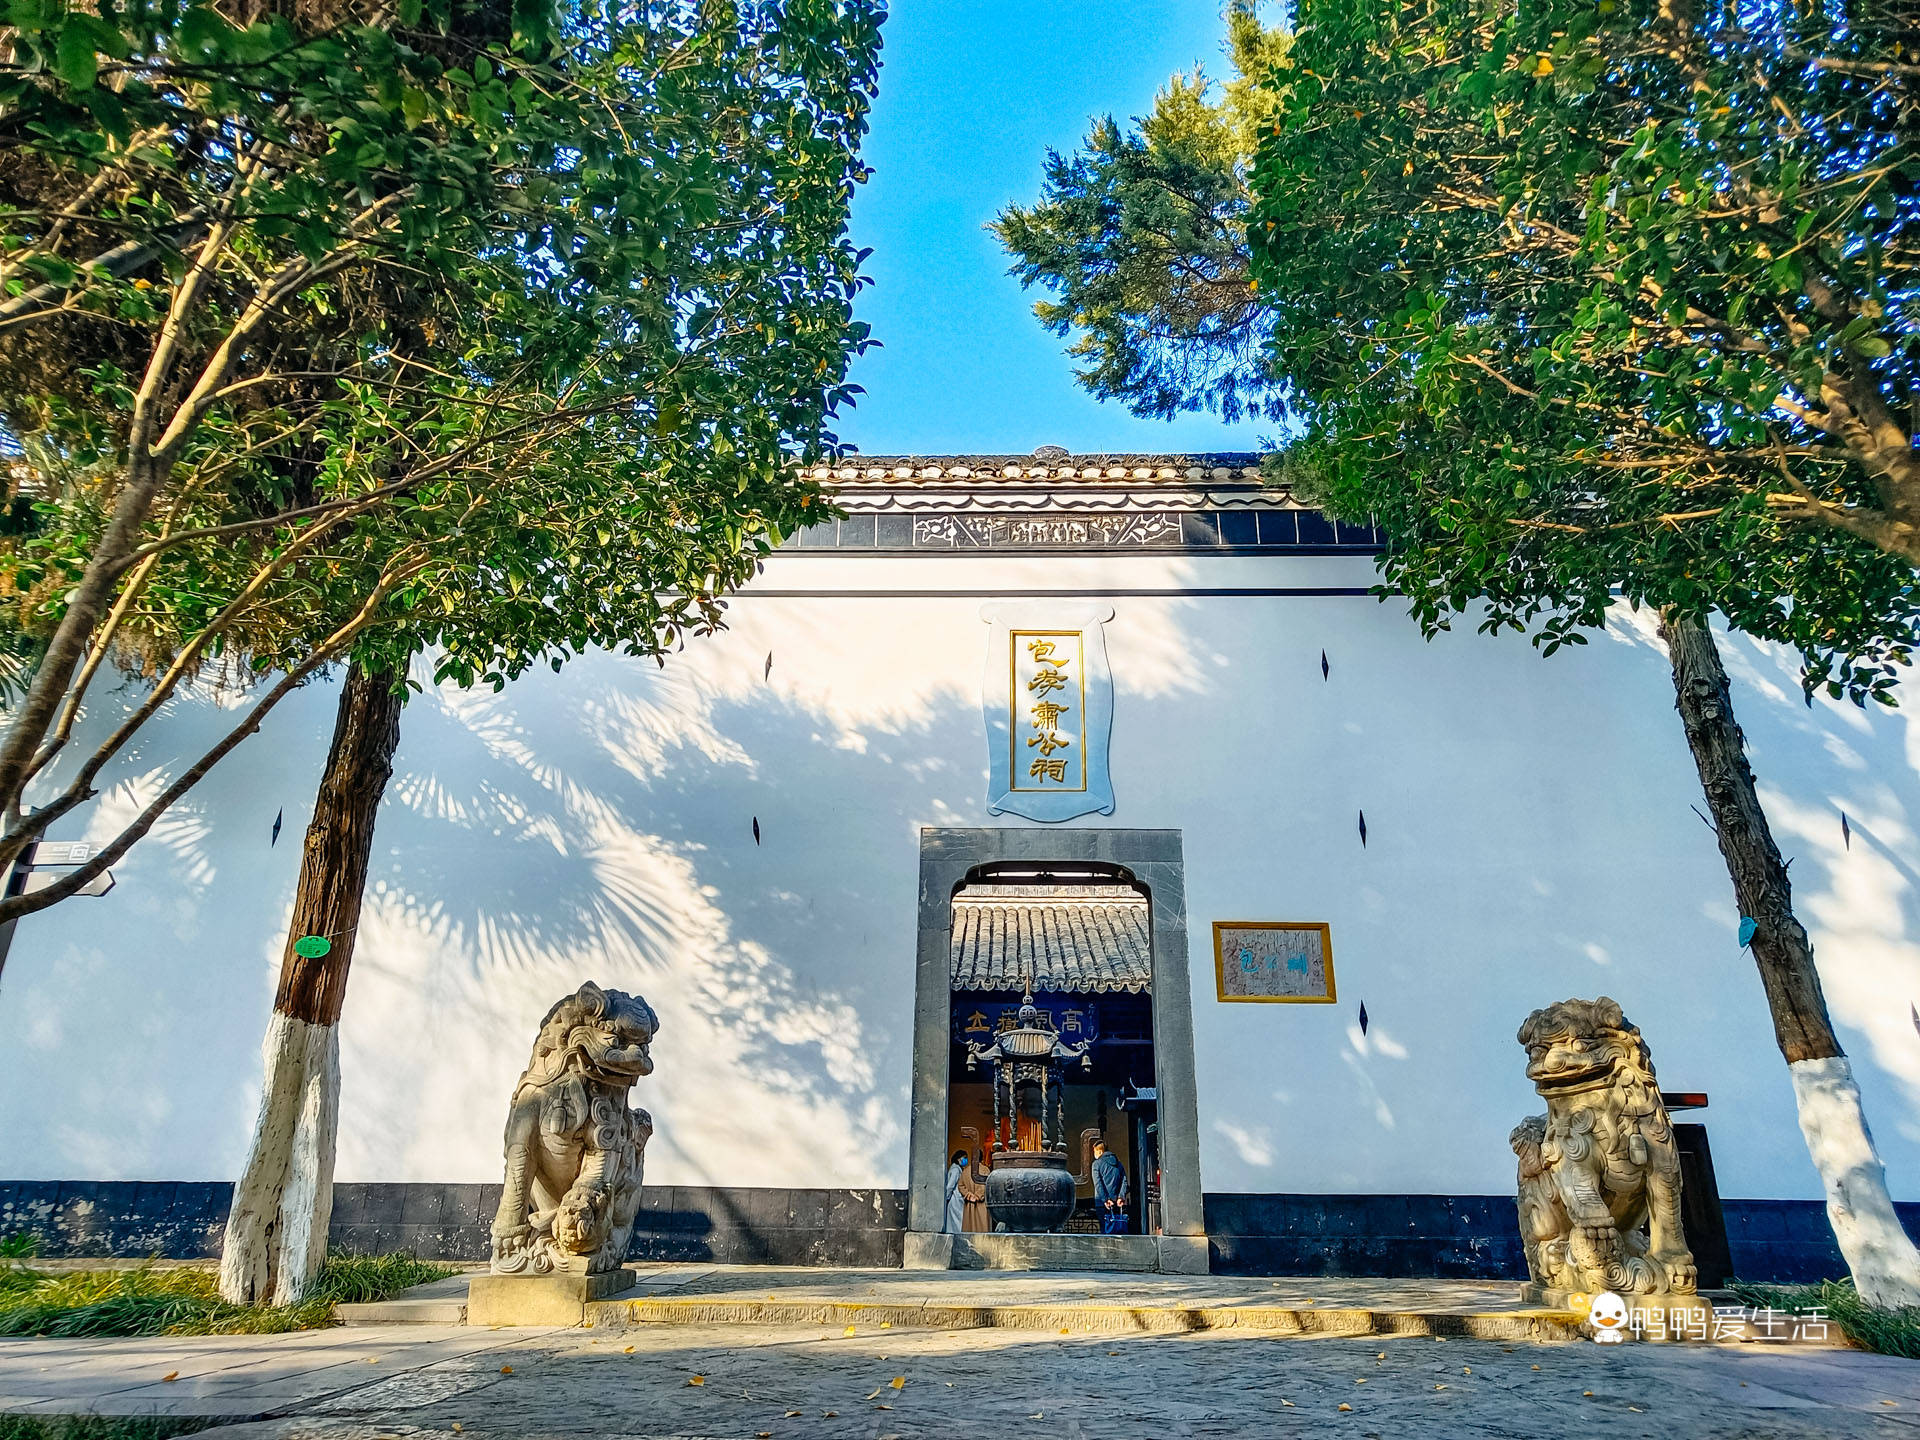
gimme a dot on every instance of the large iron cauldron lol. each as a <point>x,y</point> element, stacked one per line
<point>1029,1190</point>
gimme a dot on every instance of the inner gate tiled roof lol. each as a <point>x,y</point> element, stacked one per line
<point>1075,939</point>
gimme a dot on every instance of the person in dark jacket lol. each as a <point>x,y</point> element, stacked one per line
<point>1109,1190</point>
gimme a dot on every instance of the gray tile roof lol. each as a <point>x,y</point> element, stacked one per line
<point>1062,938</point>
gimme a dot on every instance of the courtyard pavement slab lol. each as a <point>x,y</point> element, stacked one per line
<point>740,1382</point>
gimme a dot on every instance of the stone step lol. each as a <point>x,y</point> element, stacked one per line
<point>1093,1319</point>
<point>438,1302</point>
<point>1055,1252</point>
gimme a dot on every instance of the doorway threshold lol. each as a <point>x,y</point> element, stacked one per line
<point>1172,1254</point>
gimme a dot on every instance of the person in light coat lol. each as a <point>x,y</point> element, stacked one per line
<point>956,1202</point>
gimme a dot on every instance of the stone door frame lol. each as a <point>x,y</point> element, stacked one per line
<point>1155,859</point>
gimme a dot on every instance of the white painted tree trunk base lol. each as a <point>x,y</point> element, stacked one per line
<point>1884,1262</point>
<point>277,1228</point>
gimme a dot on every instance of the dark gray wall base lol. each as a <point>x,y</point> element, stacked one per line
<point>729,1226</point>
<point>1786,1242</point>
<point>1453,1236</point>
<point>1456,1236</point>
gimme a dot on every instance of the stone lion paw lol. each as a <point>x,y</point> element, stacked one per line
<point>1681,1274</point>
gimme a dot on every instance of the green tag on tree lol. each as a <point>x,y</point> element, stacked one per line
<point>312,947</point>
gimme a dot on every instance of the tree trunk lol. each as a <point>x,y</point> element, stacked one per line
<point>277,1229</point>
<point>1884,1262</point>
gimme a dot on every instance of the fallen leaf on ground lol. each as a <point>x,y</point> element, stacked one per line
<point>883,1407</point>
<point>373,1359</point>
<point>627,1351</point>
<point>1587,1393</point>
<point>1345,1406</point>
<point>791,1415</point>
<point>1065,1331</point>
<point>876,1392</point>
<point>828,1414</point>
<point>1439,1387</point>
<point>1636,1409</point>
<point>170,1375</point>
<point>763,1435</point>
<point>696,1379</point>
<point>506,1369</point>
<point>1287,1403</point>
<point>1466,1369</point>
<point>898,1382</point>
<point>848,1331</point>
<point>1537,1367</point>
<point>886,1324</point>
<point>457,1427</point>
<point>1359,1382</point>
<point>1381,1356</point>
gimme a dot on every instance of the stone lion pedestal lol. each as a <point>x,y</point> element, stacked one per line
<point>574,1159</point>
<point>1599,1179</point>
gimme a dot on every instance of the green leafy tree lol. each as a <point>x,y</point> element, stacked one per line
<point>632,229</point>
<point>1141,237</point>
<point>492,339</point>
<point>1581,300</point>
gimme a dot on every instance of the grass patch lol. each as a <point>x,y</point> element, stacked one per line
<point>146,1301</point>
<point>1871,1327</point>
<point>100,1427</point>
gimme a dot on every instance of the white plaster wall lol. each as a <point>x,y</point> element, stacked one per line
<point>1530,838</point>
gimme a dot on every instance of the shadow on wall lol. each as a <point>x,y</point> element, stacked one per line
<point>603,826</point>
<point>1856,889</point>
<point>1531,839</point>
<point>596,825</point>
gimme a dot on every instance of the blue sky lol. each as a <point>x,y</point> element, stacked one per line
<point>971,96</point>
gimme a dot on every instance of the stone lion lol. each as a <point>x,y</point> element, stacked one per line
<point>1599,1178</point>
<point>574,1148</point>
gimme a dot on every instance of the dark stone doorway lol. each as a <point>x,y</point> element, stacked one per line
<point>1150,863</point>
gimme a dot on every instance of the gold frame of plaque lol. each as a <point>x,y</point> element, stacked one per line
<point>1325,932</point>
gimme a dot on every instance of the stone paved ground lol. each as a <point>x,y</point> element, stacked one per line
<point>390,1381</point>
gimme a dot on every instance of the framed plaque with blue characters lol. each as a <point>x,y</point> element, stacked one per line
<point>1274,960</point>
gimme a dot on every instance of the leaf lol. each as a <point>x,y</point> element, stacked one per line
<point>75,60</point>
<point>876,1392</point>
<point>899,1382</point>
<point>506,1369</point>
<point>696,1380</point>
<point>170,1375</point>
